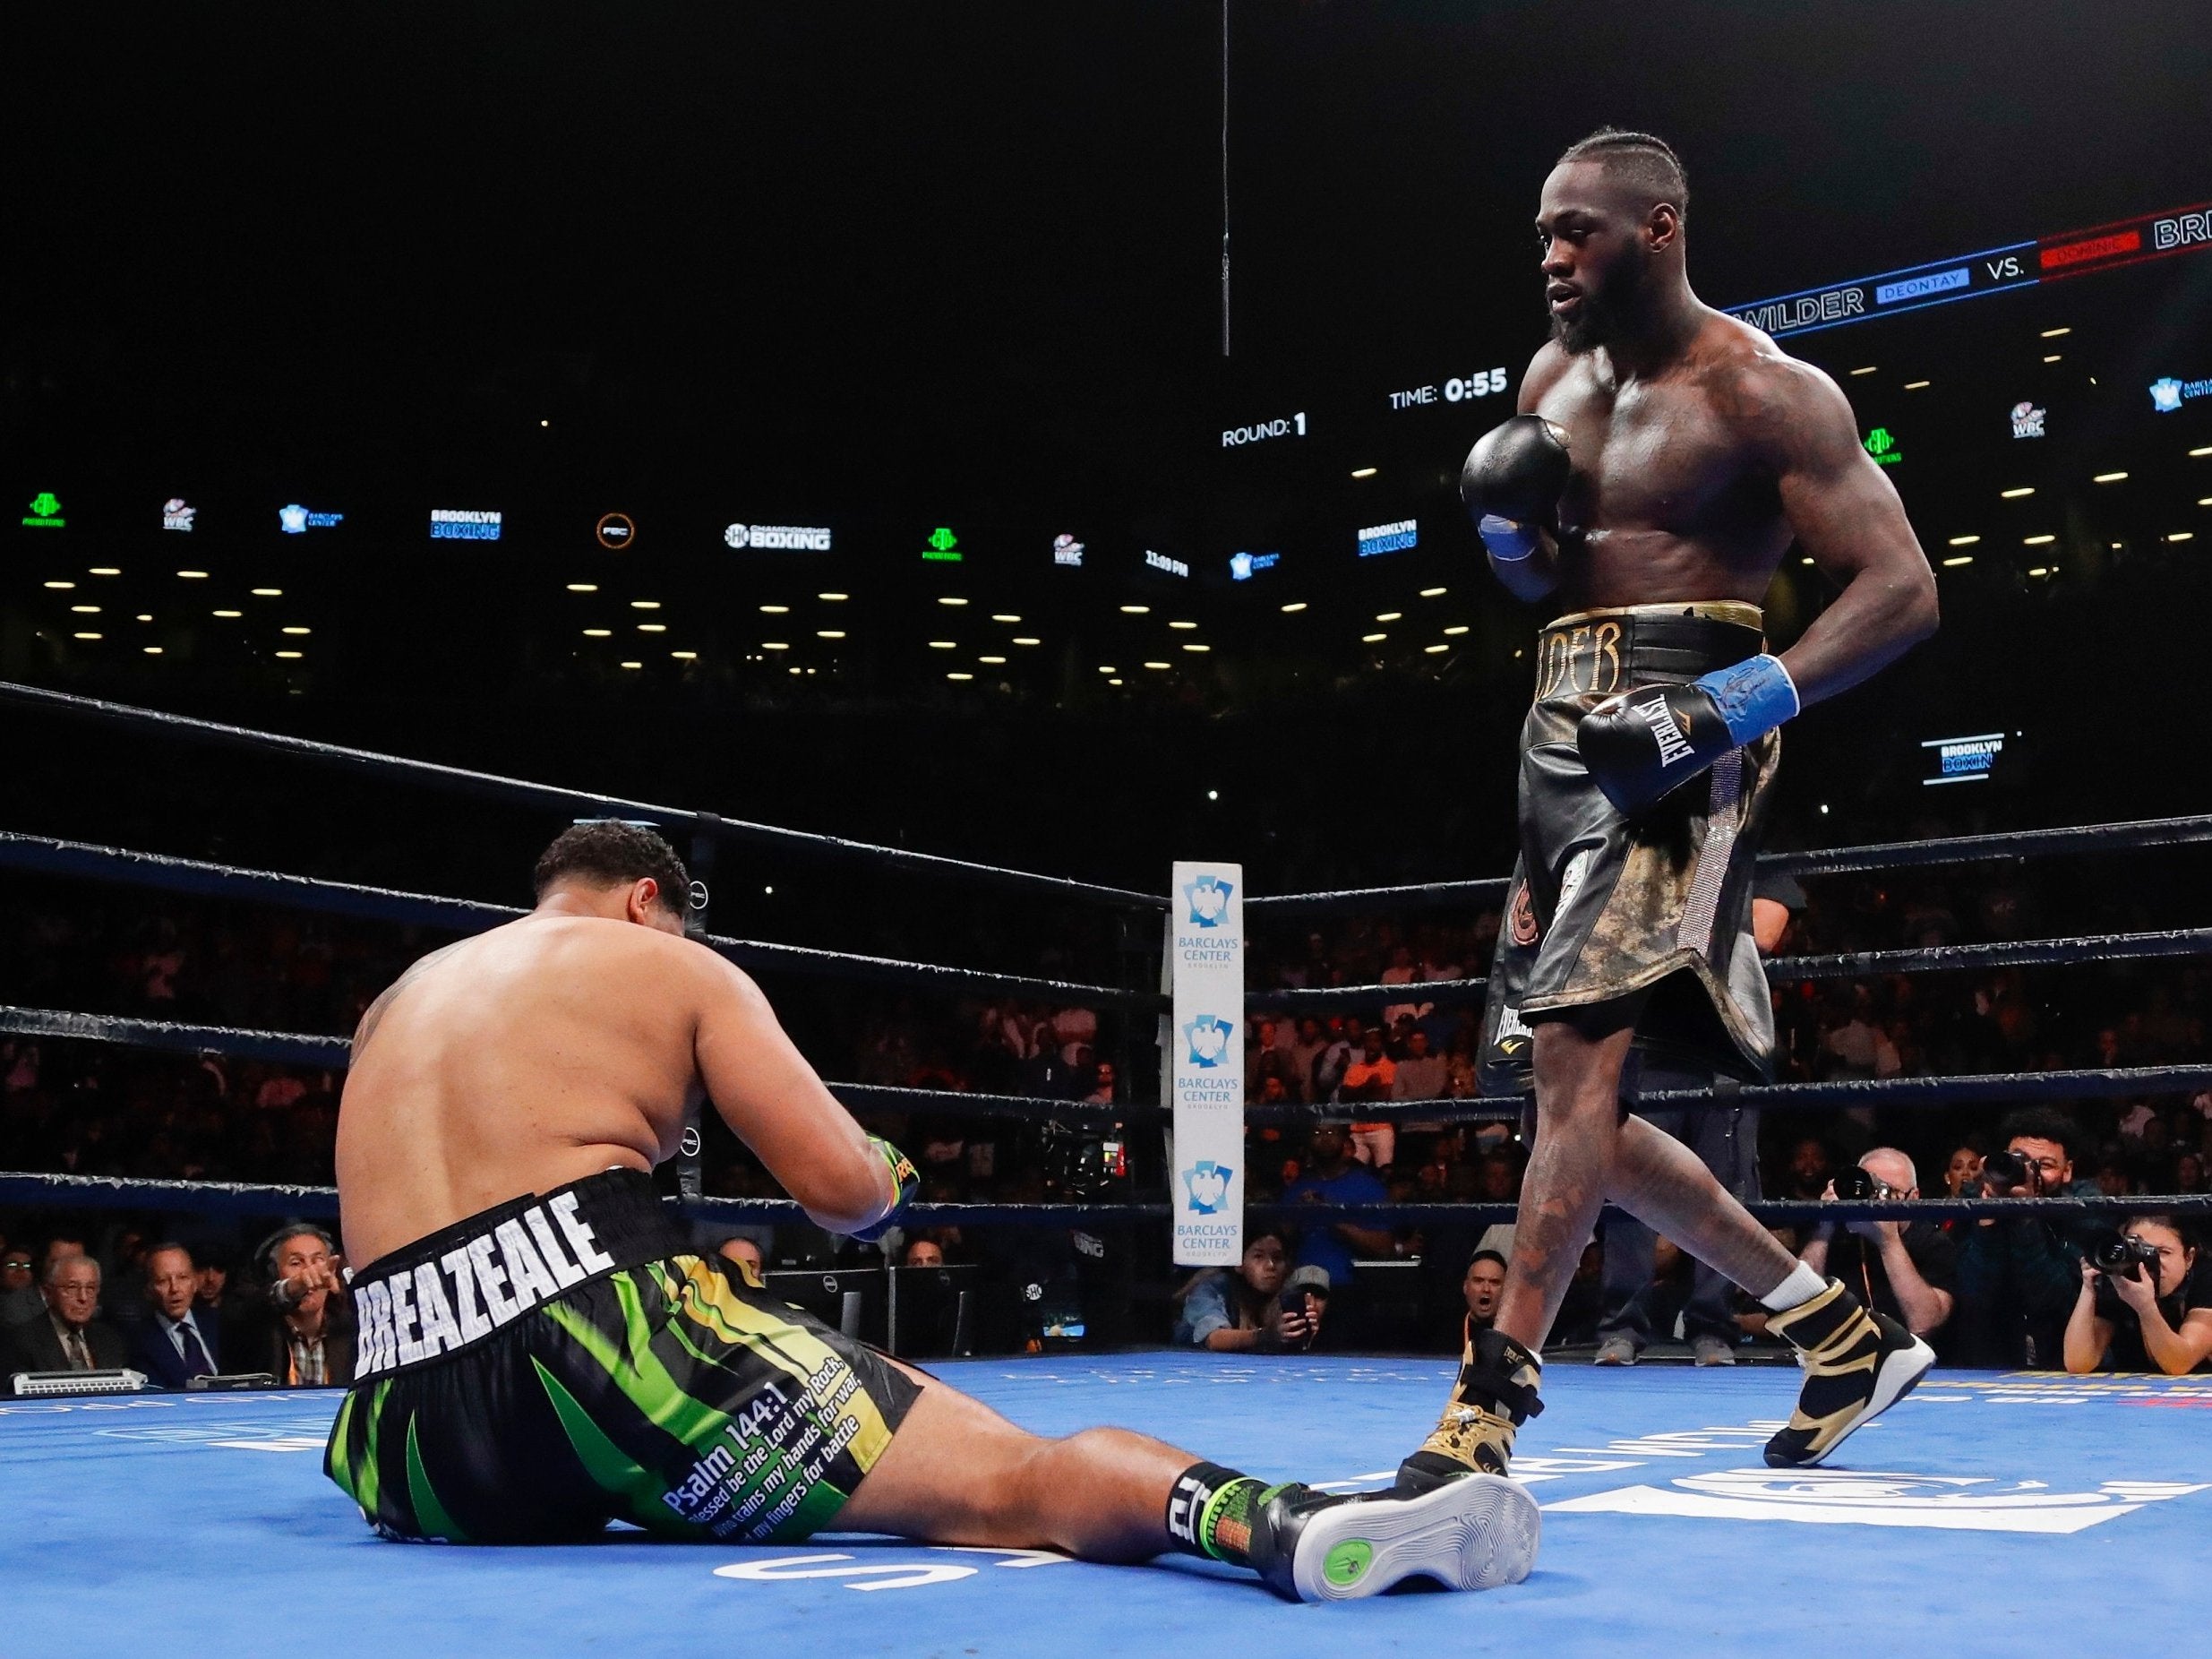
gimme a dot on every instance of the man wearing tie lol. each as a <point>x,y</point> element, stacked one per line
<point>65,1336</point>
<point>172,1346</point>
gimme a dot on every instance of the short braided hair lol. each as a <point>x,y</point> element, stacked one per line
<point>1650,162</point>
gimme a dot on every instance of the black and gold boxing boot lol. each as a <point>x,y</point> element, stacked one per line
<point>1474,1533</point>
<point>1855,1363</point>
<point>1495,1395</point>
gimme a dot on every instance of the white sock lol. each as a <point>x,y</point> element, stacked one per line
<point>1800,1286</point>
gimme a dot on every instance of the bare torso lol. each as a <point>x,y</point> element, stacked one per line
<point>513,1063</point>
<point>1672,495</point>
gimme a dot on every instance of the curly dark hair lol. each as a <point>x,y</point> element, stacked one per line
<point>2043,1123</point>
<point>609,853</point>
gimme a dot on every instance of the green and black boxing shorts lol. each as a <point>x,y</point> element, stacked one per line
<point>562,1361</point>
<point>1654,912</point>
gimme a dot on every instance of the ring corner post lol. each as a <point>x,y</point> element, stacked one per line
<point>1203,1061</point>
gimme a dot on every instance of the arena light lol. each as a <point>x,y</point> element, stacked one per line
<point>1183,624</point>
<point>775,645</point>
<point>1113,681</point>
<point>2054,333</point>
<point>277,593</point>
<point>1964,558</point>
<point>944,645</point>
<point>291,656</point>
<point>2108,477</point>
<point>776,610</point>
<point>1159,664</point>
<point>1372,639</point>
<point>650,605</point>
<point>2182,535</point>
<point>652,627</point>
<point>685,657</point>
<point>1023,639</point>
<point>299,630</point>
<point>1107,668</point>
<point>1193,645</point>
<point>1434,593</point>
<point>1391,616</point>
<point>145,616</point>
<point>833,598</point>
<point>598,633</point>
<point>84,636</point>
<point>63,585</point>
<point>193,575</point>
<point>956,675</point>
<point>85,610</point>
<point>1433,650</point>
<point>1916,385</point>
<point>229,615</point>
<point>106,570</point>
<point>1363,472</point>
<point>1004,616</point>
<point>1964,541</point>
<point>1137,610</point>
<point>2198,453</point>
<point>1869,369</point>
<point>574,587</point>
<point>992,660</point>
<point>633,664</point>
<point>2204,501</point>
<point>829,633</point>
<point>948,598</point>
<point>1293,608</point>
<point>2038,541</point>
<point>2054,358</point>
<point>2014,494</point>
<point>1456,629</point>
<point>2040,570</point>
<point>150,650</point>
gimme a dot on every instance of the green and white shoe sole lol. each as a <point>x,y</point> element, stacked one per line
<point>1475,1533</point>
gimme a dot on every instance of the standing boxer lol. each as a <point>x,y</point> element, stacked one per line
<point>1664,458</point>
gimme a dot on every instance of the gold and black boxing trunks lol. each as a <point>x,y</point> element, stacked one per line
<point>532,1372</point>
<point>1604,909</point>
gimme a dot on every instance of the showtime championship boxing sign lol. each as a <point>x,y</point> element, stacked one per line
<point>1205,1055</point>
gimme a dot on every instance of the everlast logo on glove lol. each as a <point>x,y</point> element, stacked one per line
<point>410,1314</point>
<point>1673,745</point>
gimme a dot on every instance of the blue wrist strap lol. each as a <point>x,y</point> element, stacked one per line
<point>1508,541</point>
<point>1756,696</point>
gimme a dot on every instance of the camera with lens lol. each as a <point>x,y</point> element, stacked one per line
<point>2122,1256</point>
<point>1860,1183</point>
<point>2003,1171</point>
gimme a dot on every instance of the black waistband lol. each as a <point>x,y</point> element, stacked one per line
<point>463,1283</point>
<point>1597,653</point>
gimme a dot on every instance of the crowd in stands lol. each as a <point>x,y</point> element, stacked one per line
<point>2012,1297</point>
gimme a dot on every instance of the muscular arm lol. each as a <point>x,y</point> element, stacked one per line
<point>1846,517</point>
<point>772,1101</point>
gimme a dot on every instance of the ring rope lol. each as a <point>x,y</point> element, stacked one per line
<point>522,792</point>
<point>163,873</point>
<point>2134,836</point>
<point>29,1189</point>
<point>336,1052</point>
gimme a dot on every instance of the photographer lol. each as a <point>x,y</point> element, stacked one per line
<point>1907,1270</point>
<point>2018,1275</point>
<point>2141,1307</point>
<point>1254,1309</point>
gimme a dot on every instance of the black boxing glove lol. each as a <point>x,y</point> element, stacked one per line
<point>1512,483</point>
<point>1640,745</point>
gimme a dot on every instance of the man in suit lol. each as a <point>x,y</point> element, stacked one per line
<point>67,1336</point>
<point>173,1346</point>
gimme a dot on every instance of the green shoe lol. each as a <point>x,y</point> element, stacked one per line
<point>1474,1533</point>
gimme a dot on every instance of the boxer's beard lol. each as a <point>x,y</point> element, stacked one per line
<point>1608,306</point>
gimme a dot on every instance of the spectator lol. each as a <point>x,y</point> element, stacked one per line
<point>20,1301</point>
<point>1328,1176</point>
<point>744,1254</point>
<point>1727,1145</point>
<point>1483,1286</point>
<point>1809,1168</point>
<point>2134,1322</point>
<point>922,1253</point>
<point>71,1337</point>
<point>1306,1051</point>
<point>1961,1170</point>
<point>172,1346</point>
<point>1909,1272</point>
<point>2018,1277</point>
<point>1421,1075</point>
<point>1242,1312</point>
<point>305,1337</point>
<point>1369,1078</point>
<point>1101,1084</point>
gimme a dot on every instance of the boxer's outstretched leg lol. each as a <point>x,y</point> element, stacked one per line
<point>958,1472</point>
